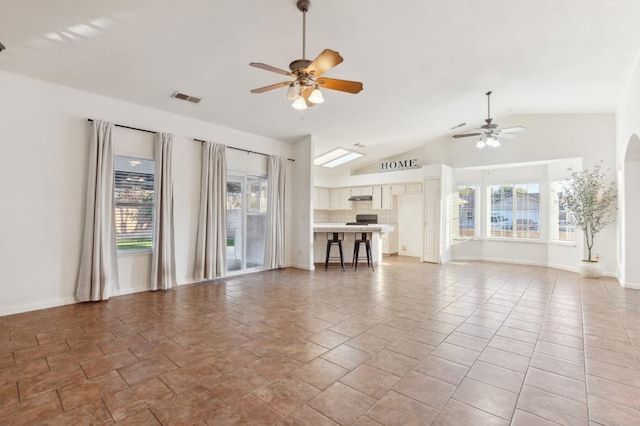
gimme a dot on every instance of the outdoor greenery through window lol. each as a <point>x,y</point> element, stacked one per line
<point>134,181</point>
<point>515,211</point>
<point>466,211</point>
<point>561,228</point>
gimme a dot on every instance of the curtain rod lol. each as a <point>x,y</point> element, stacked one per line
<point>128,127</point>
<point>244,150</point>
<point>197,140</point>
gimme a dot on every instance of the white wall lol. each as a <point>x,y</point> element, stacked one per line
<point>410,219</point>
<point>627,131</point>
<point>302,205</point>
<point>43,164</point>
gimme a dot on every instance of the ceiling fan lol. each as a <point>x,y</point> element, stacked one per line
<point>304,88</point>
<point>490,133</point>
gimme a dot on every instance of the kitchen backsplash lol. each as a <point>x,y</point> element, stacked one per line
<point>358,207</point>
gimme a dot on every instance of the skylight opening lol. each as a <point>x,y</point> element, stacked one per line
<point>336,157</point>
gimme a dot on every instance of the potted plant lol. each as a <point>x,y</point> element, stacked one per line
<point>591,201</point>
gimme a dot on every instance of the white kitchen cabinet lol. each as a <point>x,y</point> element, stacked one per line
<point>382,198</point>
<point>414,188</point>
<point>362,190</point>
<point>340,199</point>
<point>398,189</point>
<point>387,198</point>
<point>322,199</point>
<point>366,190</point>
<point>389,242</point>
<point>376,201</point>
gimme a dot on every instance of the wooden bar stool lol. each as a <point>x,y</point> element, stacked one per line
<point>362,238</point>
<point>334,238</point>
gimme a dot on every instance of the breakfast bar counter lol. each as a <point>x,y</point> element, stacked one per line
<point>320,231</point>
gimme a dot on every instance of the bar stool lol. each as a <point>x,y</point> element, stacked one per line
<point>334,238</point>
<point>365,238</point>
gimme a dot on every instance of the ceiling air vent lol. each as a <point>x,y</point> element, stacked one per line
<point>184,97</point>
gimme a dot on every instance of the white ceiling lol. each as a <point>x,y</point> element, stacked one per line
<point>425,65</point>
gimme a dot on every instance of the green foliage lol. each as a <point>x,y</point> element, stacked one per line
<point>135,244</point>
<point>591,200</point>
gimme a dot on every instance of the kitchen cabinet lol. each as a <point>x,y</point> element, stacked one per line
<point>366,190</point>
<point>376,200</point>
<point>382,198</point>
<point>389,242</point>
<point>387,198</point>
<point>362,190</point>
<point>340,199</point>
<point>398,189</point>
<point>321,198</point>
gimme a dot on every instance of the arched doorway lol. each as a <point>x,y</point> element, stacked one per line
<point>631,218</point>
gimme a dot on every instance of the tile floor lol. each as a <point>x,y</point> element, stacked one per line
<point>409,344</point>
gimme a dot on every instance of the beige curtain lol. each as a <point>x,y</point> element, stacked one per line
<point>163,260</point>
<point>274,247</point>
<point>98,274</point>
<point>211,248</point>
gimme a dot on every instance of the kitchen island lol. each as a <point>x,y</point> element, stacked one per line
<point>320,231</point>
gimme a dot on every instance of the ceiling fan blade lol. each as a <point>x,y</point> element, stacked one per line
<point>270,68</point>
<point>515,129</point>
<point>507,135</point>
<point>341,85</point>
<point>273,86</point>
<point>466,135</point>
<point>324,62</point>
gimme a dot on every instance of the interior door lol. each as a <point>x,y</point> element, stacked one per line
<point>432,220</point>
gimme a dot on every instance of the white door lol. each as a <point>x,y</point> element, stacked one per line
<point>432,220</point>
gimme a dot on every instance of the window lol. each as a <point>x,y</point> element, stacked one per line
<point>134,181</point>
<point>466,211</point>
<point>515,211</point>
<point>561,230</point>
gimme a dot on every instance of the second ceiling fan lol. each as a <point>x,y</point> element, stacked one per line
<point>304,88</point>
<point>489,132</point>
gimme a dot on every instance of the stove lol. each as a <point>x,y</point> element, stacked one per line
<point>364,220</point>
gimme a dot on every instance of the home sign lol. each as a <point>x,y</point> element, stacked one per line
<point>395,165</point>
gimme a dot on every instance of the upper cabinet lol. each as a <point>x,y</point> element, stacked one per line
<point>382,198</point>
<point>398,189</point>
<point>340,199</point>
<point>322,199</point>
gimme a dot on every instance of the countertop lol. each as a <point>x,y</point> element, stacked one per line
<point>341,227</point>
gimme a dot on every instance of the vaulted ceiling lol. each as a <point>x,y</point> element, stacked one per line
<point>425,65</point>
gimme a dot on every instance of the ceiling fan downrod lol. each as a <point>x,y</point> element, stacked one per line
<point>489,119</point>
<point>303,6</point>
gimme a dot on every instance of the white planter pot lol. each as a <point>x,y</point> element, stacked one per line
<point>588,269</point>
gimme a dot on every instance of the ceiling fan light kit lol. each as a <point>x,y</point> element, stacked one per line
<point>304,91</point>
<point>489,133</point>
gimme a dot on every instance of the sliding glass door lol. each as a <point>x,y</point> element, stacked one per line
<point>246,221</point>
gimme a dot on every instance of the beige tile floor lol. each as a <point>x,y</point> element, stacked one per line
<point>409,344</point>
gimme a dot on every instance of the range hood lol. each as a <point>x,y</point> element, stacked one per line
<point>360,198</point>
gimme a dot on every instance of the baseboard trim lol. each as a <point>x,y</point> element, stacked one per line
<point>52,303</point>
<point>632,286</point>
